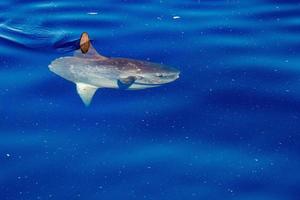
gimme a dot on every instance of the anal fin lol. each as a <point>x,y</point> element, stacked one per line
<point>86,92</point>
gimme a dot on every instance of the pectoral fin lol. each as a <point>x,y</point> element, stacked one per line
<point>125,83</point>
<point>86,92</point>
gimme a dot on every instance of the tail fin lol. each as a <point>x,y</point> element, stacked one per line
<point>84,42</point>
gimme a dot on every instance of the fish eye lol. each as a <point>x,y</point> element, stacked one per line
<point>159,75</point>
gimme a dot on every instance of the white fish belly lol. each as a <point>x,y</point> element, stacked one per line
<point>141,87</point>
<point>104,83</point>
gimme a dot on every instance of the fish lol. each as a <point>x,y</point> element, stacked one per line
<point>90,71</point>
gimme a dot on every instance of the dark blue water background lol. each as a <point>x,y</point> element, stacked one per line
<point>229,128</point>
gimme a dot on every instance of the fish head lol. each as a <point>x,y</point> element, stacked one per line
<point>153,74</point>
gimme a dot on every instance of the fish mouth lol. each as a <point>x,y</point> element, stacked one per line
<point>148,84</point>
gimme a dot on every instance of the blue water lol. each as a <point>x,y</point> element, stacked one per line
<point>229,128</point>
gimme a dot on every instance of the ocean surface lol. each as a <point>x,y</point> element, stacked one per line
<point>228,128</point>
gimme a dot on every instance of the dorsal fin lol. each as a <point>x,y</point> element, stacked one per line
<point>91,54</point>
<point>87,50</point>
<point>84,43</point>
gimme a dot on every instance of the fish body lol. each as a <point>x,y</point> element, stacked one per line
<point>89,71</point>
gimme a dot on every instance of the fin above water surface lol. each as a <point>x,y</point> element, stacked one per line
<point>91,54</point>
<point>84,42</point>
<point>87,50</point>
<point>86,92</point>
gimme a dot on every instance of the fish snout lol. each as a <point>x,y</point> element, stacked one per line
<point>173,74</point>
<point>176,74</point>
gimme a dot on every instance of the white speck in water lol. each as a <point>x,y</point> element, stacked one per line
<point>176,17</point>
<point>7,155</point>
<point>92,13</point>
